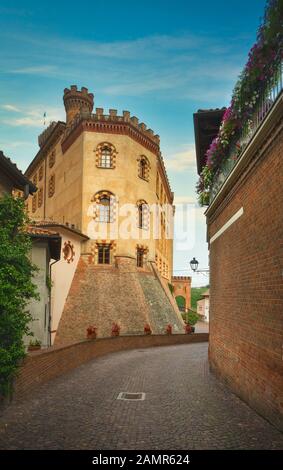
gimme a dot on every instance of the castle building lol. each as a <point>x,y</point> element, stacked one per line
<point>103,175</point>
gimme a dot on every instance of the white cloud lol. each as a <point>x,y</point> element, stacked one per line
<point>183,160</point>
<point>33,116</point>
<point>10,107</point>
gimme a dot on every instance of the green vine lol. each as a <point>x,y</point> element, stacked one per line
<point>16,287</point>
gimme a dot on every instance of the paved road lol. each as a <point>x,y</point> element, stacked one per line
<point>185,407</point>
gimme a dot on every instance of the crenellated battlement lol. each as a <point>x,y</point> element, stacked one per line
<point>76,102</point>
<point>181,278</point>
<point>113,117</point>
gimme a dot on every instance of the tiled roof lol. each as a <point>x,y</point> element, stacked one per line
<point>54,224</point>
<point>32,230</point>
<point>13,173</point>
<point>53,238</point>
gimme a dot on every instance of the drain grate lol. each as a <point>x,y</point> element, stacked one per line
<point>131,396</point>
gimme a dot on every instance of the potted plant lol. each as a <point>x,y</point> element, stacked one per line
<point>169,329</point>
<point>192,319</point>
<point>147,329</point>
<point>91,332</point>
<point>188,329</point>
<point>34,345</point>
<point>115,330</point>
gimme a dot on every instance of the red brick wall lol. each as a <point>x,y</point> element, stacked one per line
<point>246,307</point>
<point>182,286</point>
<point>41,366</point>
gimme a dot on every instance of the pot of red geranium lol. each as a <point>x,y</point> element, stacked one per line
<point>91,332</point>
<point>169,329</point>
<point>115,330</point>
<point>147,329</point>
<point>188,329</point>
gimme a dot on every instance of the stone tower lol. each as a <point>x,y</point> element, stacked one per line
<point>77,102</point>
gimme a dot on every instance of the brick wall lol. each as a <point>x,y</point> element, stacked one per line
<point>246,307</point>
<point>41,366</point>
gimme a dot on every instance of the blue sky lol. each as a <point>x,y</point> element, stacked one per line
<point>161,60</point>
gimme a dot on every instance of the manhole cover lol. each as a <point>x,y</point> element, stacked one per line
<point>131,396</point>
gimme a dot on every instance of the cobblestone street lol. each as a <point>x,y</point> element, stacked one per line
<point>185,407</point>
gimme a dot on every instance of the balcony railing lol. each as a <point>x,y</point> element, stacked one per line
<point>263,106</point>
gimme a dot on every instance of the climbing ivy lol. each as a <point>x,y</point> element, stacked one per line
<point>16,287</point>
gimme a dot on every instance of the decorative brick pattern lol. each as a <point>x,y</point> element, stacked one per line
<point>40,197</point>
<point>68,252</point>
<point>52,159</point>
<point>51,186</point>
<point>96,203</point>
<point>34,200</point>
<point>40,173</point>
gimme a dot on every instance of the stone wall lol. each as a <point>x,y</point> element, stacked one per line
<point>246,308</point>
<point>41,366</point>
<point>121,293</point>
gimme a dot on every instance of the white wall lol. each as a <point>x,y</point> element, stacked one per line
<point>62,274</point>
<point>39,309</point>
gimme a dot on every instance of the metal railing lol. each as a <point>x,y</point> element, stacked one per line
<point>262,107</point>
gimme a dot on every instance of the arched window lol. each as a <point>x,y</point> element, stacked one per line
<point>104,206</point>
<point>143,168</point>
<point>105,157</point>
<point>143,214</point>
<point>104,209</point>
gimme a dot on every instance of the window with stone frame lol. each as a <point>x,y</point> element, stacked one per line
<point>104,252</point>
<point>143,215</point>
<point>106,155</point>
<point>104,207</point>
<point>143,167</point>
<point>51,186</point>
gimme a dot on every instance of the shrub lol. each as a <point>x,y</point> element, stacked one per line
<point>192,317</point>
<point>16,287</point>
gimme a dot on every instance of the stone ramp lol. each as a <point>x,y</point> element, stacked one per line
<point>101,295</point>
<point>161,310</point>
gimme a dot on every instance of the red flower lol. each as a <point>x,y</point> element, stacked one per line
<point>169,329</point>
<point>91,331</point>
<point>188,328</point>
<point>115,330</point>
<point>147,329</point>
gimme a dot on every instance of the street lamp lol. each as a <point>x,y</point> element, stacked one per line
<point>194,264</point>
